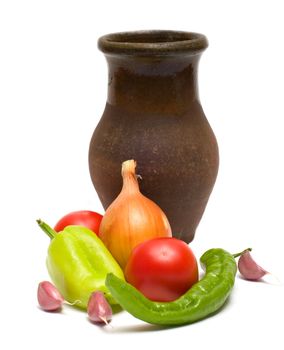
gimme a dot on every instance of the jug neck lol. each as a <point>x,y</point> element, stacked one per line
<point>153,71</point>
<point>153,84</point>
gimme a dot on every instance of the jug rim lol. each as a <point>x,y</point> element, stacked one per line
<point>152,42</point>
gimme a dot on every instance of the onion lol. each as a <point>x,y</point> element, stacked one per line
<point>132,218</point>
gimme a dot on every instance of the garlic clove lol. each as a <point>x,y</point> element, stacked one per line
<point>249,269</point>
<point>99,310</point>
<point>49,298</point>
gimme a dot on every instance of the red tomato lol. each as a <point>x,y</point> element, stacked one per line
<point>86,218</point>
<point>162,269</point>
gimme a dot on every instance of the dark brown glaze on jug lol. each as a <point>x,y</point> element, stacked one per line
<point>153,115</point>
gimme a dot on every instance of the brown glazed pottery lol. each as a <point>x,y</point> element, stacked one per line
<point>153,115</point>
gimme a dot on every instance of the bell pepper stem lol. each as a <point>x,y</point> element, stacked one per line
<point>46,229</point>
<point>241,253</point>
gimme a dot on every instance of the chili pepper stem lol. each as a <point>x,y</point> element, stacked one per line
<point>46,229</point>
<point>241,253</point>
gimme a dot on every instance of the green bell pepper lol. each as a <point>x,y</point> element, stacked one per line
<point>78,263</point>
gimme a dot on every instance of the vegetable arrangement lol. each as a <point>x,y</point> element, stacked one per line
<point>129,257</point>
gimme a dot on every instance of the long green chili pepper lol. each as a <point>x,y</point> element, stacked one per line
<point>201,300</point>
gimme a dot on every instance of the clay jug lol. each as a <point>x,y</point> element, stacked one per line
<point>153,115</point>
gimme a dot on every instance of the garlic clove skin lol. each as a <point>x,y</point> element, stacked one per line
<point>249,269</point>
<point>49,298</point>
<point>99,310</point>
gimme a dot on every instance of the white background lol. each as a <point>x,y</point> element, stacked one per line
<point>53,83</point>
